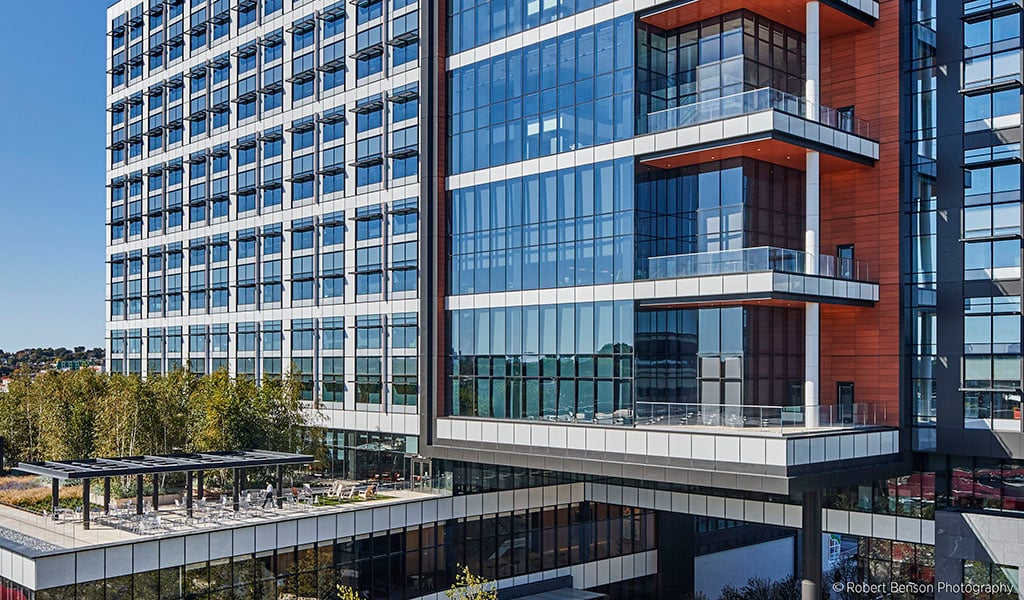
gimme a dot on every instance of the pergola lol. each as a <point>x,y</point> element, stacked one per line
<point>191,464</point>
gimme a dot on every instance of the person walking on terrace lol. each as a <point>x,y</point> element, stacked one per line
<point>268,495</point>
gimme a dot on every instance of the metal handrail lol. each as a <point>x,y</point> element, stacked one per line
<point>759,259</point>
<point>749,102</point>
<point>781,418</point>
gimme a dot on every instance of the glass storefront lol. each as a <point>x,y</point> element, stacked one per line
<point>363,455</point>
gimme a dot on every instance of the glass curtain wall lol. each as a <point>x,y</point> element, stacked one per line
<point>750,355</point>
<point>405,562</point>
<point>717,57</point>
<point>722,205</point>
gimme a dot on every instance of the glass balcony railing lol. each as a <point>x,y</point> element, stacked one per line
<point>750,102</point>
<point>757,260</point>
<point>780,418</point>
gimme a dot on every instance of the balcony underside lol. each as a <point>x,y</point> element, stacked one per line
<point>725,458</point>
<point>770,135</point>
<point>755,287</point>
<point>770,149</point>
<point>837,16</point>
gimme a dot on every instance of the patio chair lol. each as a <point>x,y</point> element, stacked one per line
<point>370,492</point>
<point>349,494</point>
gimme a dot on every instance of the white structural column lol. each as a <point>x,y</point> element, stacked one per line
<point>813,48</point>
<point>812,320</point>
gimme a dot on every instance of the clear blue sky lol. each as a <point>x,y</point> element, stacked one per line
<point>52,117</point>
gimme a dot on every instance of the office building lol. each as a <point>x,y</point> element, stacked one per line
<point>720,263</point>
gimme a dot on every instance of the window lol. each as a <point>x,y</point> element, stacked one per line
<point>333,229</point>
<point>370,52</point>
<point>992,196</point>
<point>368,332</point>
<point>302,278</point>
<point>368,270</point>
<point>334,125</point>
<point>403,111</point>
<point>246,15</point>
<point>272,336</point>
<point>993,260</point>
<point>303,77</point>
<point>403,330</point>
<point>993,110</point>
<point>403,266</point>
<point>303,34</point>
<point>332,65</point>
<point>994,582</point>
<point>368,161</point>
<point>246,243</point>
<point>333,371</point>
<point>369,113</point>
<point>302,334</point>
<point>334,333</point>
<point>404,216</point>
<point>405,53</point>
<point>274,48</point>
<point>368,11</point>
<point>403,381</point>
<point>368,380</point>
<point>332,271</point>
<point>369,222</point>
<point>302,234</point>
<point>334,20</point>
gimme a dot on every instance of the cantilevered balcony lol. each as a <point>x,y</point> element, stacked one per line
<point>778,419</point>
<point>763,273</point>
<point>756,116</point>
<point>763,459</point>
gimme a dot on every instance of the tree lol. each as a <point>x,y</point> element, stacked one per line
<point>19,422</point>
<point>468,586</point>
<point>76,414</point>
<point>757,588</point>
<point>347,593</point>
<point>68,407</point>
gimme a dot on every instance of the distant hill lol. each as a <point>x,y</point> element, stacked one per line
<point>33,360</point>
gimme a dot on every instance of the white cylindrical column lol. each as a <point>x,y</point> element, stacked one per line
<point>813,49</point>
<point>812,321</point>
<point>812,337</point>
<point>812,212</point>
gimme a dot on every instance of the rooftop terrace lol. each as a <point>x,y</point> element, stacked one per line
<point>32,534</point>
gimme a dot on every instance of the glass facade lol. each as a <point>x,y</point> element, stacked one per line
<point>475,23</point>
<point>556,229</point>
<point>720,205</point>
<point>405,562</point>
<point>739,355</point>
<point>715,58</point>
<point>237,184</point>
<point>569,362</point>
<point>364,455</point>
<point>604,362</point>
<point>543,99</point>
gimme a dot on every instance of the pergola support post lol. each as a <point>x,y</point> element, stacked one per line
<point>199,490</point>
<point>156,492</point>
<point>54,496</point>
<point>106,495</point>
<point>280,486</point>
<point>138,494</point>
<point>234,490</point>
<point>188,494</point>
<point>86,503</point>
